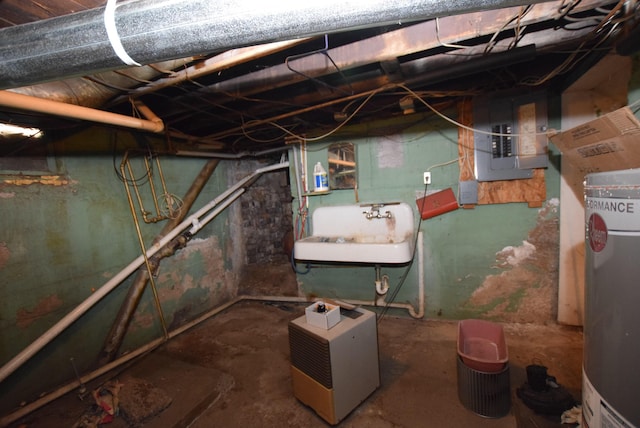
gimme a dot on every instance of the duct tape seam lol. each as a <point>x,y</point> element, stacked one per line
<point>112,32</point>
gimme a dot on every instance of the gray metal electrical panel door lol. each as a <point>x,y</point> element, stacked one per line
<point>509,141</point>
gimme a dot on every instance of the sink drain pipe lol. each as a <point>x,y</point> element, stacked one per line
<point>213,208</point>
<point>382,282</point>
<point>419,313</point>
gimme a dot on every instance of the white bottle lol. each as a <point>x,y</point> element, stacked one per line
<point>320,181</point>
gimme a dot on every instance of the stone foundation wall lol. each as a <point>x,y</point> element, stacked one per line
<point>262,214</point>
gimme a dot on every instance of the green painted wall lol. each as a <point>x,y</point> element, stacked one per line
<point>460,247</point>
<point>59,243</point>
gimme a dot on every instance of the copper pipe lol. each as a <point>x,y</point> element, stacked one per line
<point>143,247</point>
<point>40,105</point>
<point>120,325</point>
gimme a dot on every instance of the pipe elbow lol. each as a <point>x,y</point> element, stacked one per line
<point>382,286</point>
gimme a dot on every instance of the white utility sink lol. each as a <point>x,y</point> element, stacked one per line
<point>370,233</point>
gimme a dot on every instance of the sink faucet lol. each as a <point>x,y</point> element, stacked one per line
<point>375,212</point>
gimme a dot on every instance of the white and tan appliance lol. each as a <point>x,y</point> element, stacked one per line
<point>334,370</point>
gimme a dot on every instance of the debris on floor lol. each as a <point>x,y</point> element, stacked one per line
<point>90,419</point>
<point>140,400</point>
<point>135,400</point>
<point>105,408</point>
<point>572,416</point>
<point>234,370</point>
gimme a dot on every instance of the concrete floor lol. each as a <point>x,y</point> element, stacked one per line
<point>233,371</point>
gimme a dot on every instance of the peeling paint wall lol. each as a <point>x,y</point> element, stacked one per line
<point>525,290</point>
<point>62,237</point>
<point>47,180</point>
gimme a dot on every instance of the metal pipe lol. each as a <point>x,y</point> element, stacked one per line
<point>299,111</point>
<point>196,226</point>
<point>381,282</point>
<point>31,407</point>
<point>146,111</point>
<point>193,220</point>
<point>147,31</point>
<point>85,379</point>
<point>121,323</point>
<point>26,102</point>
<point>103,86</point>
<point>219,155</point>
<point>219,62</point>
<point>421,304</point>
<point>147,263</point>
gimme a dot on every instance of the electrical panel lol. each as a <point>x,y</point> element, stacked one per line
<point>509,140</point>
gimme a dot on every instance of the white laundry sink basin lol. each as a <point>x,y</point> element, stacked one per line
<point>368,233</point>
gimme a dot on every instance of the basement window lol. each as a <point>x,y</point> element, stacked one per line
<point>25,152</point>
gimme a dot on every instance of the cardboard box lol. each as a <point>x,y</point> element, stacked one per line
<point>608,143</point>
<point>326,319</point>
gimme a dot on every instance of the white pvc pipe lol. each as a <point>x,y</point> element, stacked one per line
<point>234,192</point>
<point>420,244</point>
<point>407,306</point>
<point>85,379</point>
<point>41,105</point>
<point>31,407</point>
<point>296,170</point>
<point>95,297</point>
<point>197,225</point>
<point>220,155</point>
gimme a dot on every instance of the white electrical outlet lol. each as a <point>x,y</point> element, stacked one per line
<point>427,178</point>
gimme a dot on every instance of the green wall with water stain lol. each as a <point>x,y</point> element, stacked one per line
<point>65,235</point>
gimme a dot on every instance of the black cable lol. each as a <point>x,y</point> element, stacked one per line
<point>139,180</point>
<point>294,267</point>
<point>324,51</point>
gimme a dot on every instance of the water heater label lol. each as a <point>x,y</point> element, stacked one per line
<point>619,214</point>
<point>597,233</point>
<point>615,206</point>
<point>596,411</point>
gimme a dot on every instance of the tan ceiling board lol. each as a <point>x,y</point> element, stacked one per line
<point>16,12</point>
<point>13,11</point>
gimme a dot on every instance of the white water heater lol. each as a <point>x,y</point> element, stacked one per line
<point>611,365</point>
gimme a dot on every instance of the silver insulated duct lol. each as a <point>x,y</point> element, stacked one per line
<point>147,31</point>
